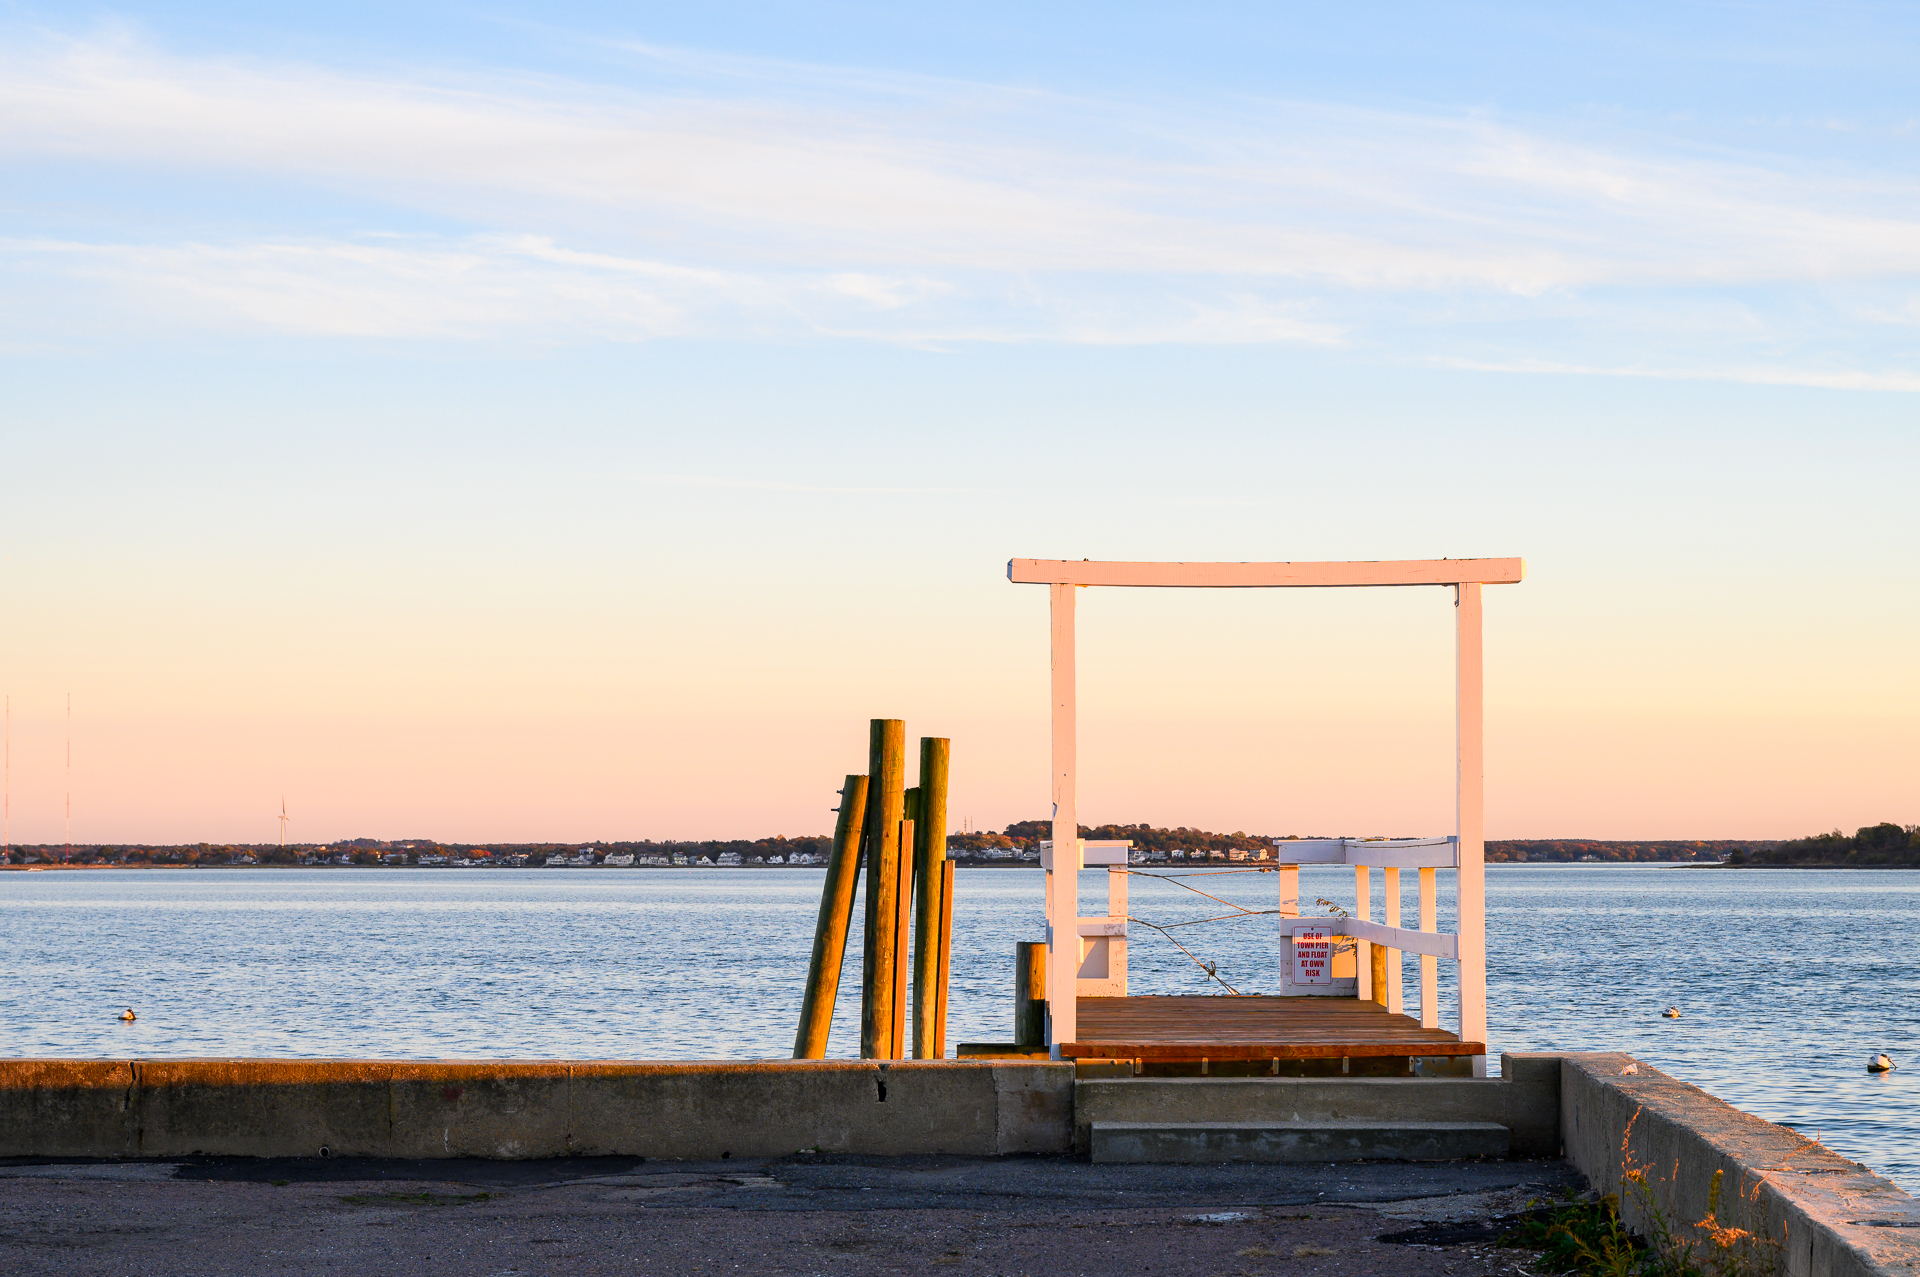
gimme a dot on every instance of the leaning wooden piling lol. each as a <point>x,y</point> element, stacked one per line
<point>886,792</point>
<point>830,931</point>
<point>929,853</point>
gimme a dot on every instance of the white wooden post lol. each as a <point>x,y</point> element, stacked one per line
<point>1288,906</point>
<point>1429,965</point>
<point>1471,806</point>
<point>1362,950</point>
<point>1063,884</point>
<point>1390,887</point>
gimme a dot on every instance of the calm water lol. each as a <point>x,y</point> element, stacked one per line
<point>1789,979</point>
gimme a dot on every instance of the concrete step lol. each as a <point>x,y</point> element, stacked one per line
<point>1308,1141</point>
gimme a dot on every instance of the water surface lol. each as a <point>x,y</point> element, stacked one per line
<point>1789,980</point>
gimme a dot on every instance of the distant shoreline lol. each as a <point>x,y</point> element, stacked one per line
<point>957,861</point>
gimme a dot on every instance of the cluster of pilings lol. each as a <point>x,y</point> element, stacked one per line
<point>899,835</point>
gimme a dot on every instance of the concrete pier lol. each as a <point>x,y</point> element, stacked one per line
<point>1620,1124</point>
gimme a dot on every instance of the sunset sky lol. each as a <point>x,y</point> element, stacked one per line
<point>500,421</point>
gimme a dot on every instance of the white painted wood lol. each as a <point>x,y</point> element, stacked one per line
<point>1425,942</point>
<point>1310,851</point>
<point>1063,885</point>
<point>1287,904</point>
<point>1102,970</point>
<point>1091,853</point>
<point>1434,853</point>
<point>1381,853</point>
<point>1429,964</point>
<point>1266,575</point>
<point>1469,701</point>
<point>1112,929</point>
<point>1390,914</point>
<point>1289,901</point>
<point>1362,950</point>
<point>1466,853</point>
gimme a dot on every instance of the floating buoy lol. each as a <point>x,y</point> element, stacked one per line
<point>1881,1063</point>
<point>1671,1013</point>
<point>128,1014</point>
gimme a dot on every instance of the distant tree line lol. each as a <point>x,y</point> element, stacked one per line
<point>1884,845</point>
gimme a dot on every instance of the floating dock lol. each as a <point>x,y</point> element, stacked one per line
<point>1256,1028</point>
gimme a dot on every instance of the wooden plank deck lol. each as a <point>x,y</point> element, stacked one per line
<point>1251,1028</point>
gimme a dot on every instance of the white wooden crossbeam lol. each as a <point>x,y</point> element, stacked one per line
<point>1433,944</point>
<point>1379,853</point>
<point>1266,575</point>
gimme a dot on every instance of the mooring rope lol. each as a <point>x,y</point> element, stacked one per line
<point>1240,911</point>
<point>1211,968</point>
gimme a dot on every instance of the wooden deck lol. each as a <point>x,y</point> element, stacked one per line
<point>1251,1028</point>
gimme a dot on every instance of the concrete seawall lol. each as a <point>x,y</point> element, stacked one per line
<point>1627,1127</point>
<point>526,1109</point>
<point>1657,1142</point>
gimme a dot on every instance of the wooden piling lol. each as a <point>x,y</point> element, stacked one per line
<point>1378,966</point>
<point>929,853</point>
<point>903,929</point>
<point>830,932</point>
<point>886,790</point>
<point>946,960</point>
<point>1030,993</point>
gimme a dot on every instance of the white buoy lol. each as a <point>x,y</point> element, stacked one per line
<point>1671,1013</point>
<point>1881,1063</point>
<point>128,1014</point>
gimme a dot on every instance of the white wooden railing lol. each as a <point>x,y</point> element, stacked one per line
<point>1316,964</point>
<point>1103,940</point>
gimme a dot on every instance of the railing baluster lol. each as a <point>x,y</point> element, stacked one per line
<point>1429,965</point>
<point>1390,891</point>
<point>1362,951</point>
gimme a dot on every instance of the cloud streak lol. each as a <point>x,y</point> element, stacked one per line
<point>751,200</point>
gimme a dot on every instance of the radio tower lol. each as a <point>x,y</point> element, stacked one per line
<point>69,856</point>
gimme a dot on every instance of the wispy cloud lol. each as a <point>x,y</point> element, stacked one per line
<point>727,197</point>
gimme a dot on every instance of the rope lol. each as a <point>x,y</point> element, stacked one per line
<point>1240,911</point>
<point>1211,968</point>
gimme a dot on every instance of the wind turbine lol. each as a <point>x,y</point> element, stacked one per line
<point>283,822</point>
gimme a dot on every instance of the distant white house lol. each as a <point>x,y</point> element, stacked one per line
<point>729,858</point>
<point>624,859</point>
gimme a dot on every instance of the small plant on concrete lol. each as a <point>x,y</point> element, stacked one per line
<point>1588,1237</point>
<point>1584,1237</point>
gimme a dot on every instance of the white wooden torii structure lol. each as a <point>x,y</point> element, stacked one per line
<point>1063,576</point>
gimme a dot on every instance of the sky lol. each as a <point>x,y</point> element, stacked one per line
<point>496,422</point>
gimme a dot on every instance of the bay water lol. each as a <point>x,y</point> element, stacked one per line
<point>1787,980</point>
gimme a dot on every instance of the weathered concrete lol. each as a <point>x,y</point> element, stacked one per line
<point>522,1109</point>
<point>1660,1139</point>
<point>1658,1142</point>
<point>1327,1141</point>
<point>1525,1100</point>
<point>804,1216</point>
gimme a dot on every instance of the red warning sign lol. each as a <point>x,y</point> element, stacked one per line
<point>1313,956</point>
